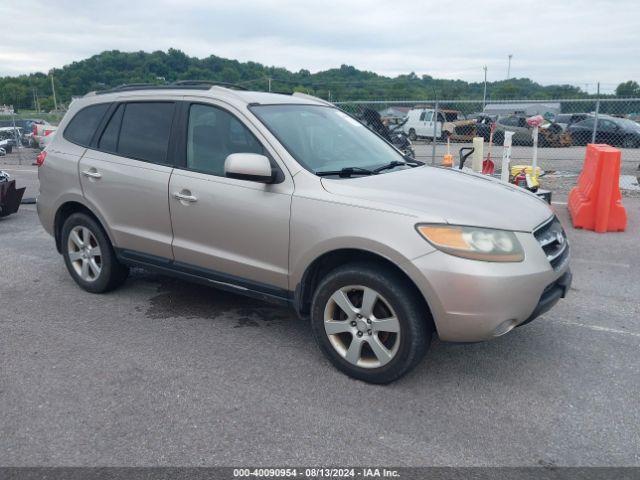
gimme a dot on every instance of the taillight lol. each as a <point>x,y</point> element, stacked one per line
<point>41,158</point>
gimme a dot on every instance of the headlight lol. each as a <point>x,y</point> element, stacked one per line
<point>474,242</point>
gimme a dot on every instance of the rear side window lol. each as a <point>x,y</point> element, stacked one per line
<point>82,127</point>
<point>145,129</point>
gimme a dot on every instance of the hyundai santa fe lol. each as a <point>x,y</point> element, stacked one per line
<point>289,199</point>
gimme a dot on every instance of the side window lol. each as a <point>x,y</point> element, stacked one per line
<point>422,115</point>
<point>588,123</point>
<point>441,117</point>
<point>82,127</point>
<point>213,134</point>
<point>109,139</point>
<point>145,130</point>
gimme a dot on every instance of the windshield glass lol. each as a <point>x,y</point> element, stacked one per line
<point>324,138</point>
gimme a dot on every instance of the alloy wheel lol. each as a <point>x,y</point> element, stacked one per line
<point>84,253</point>
<point>362,326</point>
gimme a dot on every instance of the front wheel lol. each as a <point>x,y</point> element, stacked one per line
<point>412,135</point>
<point>370,322</point>
<point>89,256</point>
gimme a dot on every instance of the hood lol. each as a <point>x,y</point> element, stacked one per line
<point>440,194</point>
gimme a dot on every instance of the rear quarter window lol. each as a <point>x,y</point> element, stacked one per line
<point>83,125</point>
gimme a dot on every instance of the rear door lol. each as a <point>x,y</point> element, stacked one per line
<point>230,230</point>
<point>125,175</point>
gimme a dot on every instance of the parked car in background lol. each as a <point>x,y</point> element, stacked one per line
<point>26,126</point>
<point>566,119</point>
<point>549,134</point>
<point>617,132</point>
<point>9,138</point>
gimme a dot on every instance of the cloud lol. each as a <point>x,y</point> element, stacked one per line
<point>573,41</point>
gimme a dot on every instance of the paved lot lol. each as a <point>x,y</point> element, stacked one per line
<point>163,372</point>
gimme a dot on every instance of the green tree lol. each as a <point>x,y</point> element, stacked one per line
<point>628,89</point>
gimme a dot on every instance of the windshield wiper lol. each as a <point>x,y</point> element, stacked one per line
<point>398,163</point>
<point>347,172</point>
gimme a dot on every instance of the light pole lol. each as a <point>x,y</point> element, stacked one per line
<point>509,67</point>
<point>53,90</point>
<point>484,94</point>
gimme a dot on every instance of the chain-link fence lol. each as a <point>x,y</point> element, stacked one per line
<point>562,139</point>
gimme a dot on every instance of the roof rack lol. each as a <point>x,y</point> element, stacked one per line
<point>211,83</point>
<point>180,84</point>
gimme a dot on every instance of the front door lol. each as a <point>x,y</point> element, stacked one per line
<point>235,231</point>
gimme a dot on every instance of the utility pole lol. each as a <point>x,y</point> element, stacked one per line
<point>509,67</point>
<point>53,89</point>
<point>329,95</point>
<point>269,83</point>
<point>484,94</point>
<point>595,123</point>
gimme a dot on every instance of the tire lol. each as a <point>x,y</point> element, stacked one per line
<point>498,138</point>
<point>106,272</point>
<point>405,342</point>
<point>412,135</point>
<point>8,148</point>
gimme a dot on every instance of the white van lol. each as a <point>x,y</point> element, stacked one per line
<point>420,123</point>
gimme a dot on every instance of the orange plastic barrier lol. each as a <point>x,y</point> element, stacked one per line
<point>596,203</point>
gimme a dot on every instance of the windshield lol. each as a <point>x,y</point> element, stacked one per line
<point>324,138</point>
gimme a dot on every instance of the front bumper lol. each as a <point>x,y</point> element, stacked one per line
<point>473,301</point>
<point>551,295</point>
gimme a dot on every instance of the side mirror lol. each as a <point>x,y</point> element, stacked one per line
<point>249,166</point>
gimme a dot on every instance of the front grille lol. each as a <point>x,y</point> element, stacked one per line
<point>554,242</point>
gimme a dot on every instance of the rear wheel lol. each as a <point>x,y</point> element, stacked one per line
<point>370,322</point>
<point>89,256</point>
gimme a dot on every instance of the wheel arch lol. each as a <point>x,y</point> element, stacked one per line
<point>68,208</point>
<point>328,261</point>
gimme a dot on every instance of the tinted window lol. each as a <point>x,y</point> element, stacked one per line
<point>109,140</point>
<point>145,130</point>
<point>82,127</point>
<point>588,123</point>
<point>214,134</point>
<point>563,118</point>
<point>509,121</point>
<point>607,125</point>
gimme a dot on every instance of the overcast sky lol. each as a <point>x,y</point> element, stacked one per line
<point>563,41</point>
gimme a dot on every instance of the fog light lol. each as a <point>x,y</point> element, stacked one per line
<point>504,327</point>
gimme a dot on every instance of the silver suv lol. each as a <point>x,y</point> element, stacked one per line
<point>289,199</point>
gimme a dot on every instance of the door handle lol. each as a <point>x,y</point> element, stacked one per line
<point>185,197</point>
<point>92,173</point>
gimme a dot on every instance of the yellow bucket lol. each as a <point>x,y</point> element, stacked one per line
<point>516,169</point>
